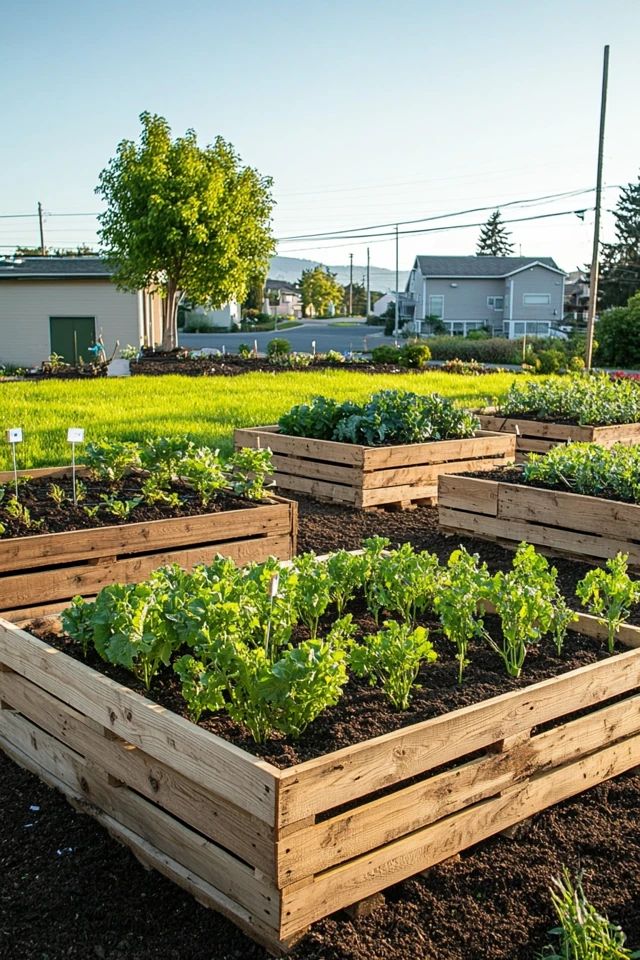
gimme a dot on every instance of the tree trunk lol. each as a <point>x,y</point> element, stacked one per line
<point>170,318</point>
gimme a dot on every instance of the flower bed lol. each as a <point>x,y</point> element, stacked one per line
<point>580,409</point>
<point>387,452</point>
<point>277,848</point>
<point>127,524</point>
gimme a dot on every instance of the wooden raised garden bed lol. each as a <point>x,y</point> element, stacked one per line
<point>538,436</point>
<point>276,850</point>
<point>587,528</point>
<point>39,571</point>
<point>374,476</point>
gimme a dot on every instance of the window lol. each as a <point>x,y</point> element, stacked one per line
<point>457,329</point>
<point>436,306</point>
<point>497,303</point>
<point>536,299</point>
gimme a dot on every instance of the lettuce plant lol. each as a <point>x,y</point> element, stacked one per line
<point>393,658</point>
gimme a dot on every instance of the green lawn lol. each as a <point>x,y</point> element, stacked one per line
<point>207,409</point>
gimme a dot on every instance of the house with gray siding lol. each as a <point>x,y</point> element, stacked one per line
<point>509,296</point>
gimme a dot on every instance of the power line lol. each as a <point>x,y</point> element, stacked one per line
<point>442,216</point>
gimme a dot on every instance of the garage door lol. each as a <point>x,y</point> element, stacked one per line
<point>71,337</point>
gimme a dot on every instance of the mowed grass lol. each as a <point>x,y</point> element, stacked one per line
<point>205,409</point>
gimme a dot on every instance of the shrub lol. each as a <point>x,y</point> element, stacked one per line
<point>278,347</point>
<point>478,335</point>
<point>386,354</point>
<point>415,355</point>
<point>619,335</point>
<point>244,351</point>
<point>494,350</point>
<point>550,361</point>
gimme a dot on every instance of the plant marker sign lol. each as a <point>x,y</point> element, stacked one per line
<point>74,435</point>
<point>14,437</point>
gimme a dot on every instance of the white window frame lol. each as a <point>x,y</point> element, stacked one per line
<point>491,303</point>
<point>432,313</point>
<point>536,299</point>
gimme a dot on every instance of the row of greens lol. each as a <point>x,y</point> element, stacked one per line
<point>588,469</point>
<point>248,640</point>
<point>388,417</point>
<point>593,400</point>
<point>163,465</point>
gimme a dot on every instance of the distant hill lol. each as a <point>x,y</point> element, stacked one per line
<point>290,269</point>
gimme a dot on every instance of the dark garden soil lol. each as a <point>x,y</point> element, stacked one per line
<point>70,891</point>
<point>231,365</point>
<point>515,475</point>
<point>47,515</point>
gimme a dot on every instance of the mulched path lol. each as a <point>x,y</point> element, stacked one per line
<point>69,891</point>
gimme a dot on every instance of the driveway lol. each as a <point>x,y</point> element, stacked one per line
<point>357,337</point>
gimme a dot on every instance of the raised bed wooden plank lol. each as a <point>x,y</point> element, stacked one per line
<point>538,428</point>
<point>226,823</point>
<point>238,891</point>
<point>327,450</point>
<point>23,589</point>
<point>320,846</point>
<point>484,444</point>
<point>217,765</point>
<point>457,492</point>
<point>326,782</point>
<point>619,521</point>
<point>331,472</point>
<point>306,902</point>
<point>509,533</point>
<point>155,535</point>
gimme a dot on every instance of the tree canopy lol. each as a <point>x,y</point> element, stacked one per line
<point>618,333</point>
<point>494,238</point>
<point>319,288</point>
<point>182,219</point>
<point>620,260</point>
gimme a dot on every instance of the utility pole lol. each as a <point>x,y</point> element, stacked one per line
<point>595,256</point>
<point>368,285</point>
<point>396,324</point>
<point>350,284</point>
<point>42,249</point>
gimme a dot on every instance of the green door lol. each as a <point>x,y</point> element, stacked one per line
<point>71,337</point>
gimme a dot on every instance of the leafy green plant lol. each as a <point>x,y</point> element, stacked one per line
<point>596,400</point>
<point>247,471</point>
<point>524,600</point>
<point>388,417</point>
<point>347,573</point>
<point>122,509</point>
<point>111,460</point>
<point>609,594</point>
<point>588,469</point>
<point>584,933</point>
<point>93,510</point>
<point>461,588</point>
<point>313,590</point>
<point>386,353</point>
<point>403,582</point>
<point>77,622</point>
<point>56,493</point>
<point>393,658</point>
<point>20,512</point>
<point>204,472</point>
<point>154,490</point>
<point>415,355</point>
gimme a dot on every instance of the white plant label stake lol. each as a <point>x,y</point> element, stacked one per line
<point>313,347</point>
<point>14,437</point>
<point>74,435</point>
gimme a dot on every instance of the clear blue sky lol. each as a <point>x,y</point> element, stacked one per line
<point>362,111</point>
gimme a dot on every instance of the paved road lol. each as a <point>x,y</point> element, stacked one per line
<point>359,337</point>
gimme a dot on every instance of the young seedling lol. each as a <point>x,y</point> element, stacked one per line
<point>393,658</point>
<point>609,595</point>
<point>461,588</point>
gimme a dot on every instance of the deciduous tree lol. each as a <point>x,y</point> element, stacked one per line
<point>184,220</point>
<point>319,288</point>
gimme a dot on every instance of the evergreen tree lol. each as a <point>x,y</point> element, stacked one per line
<point>620,261</point>
<point>494,238</point>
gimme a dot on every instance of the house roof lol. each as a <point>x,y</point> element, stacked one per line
<point>55,268</point>
<point>281,285</point>
<point>479,266</point>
